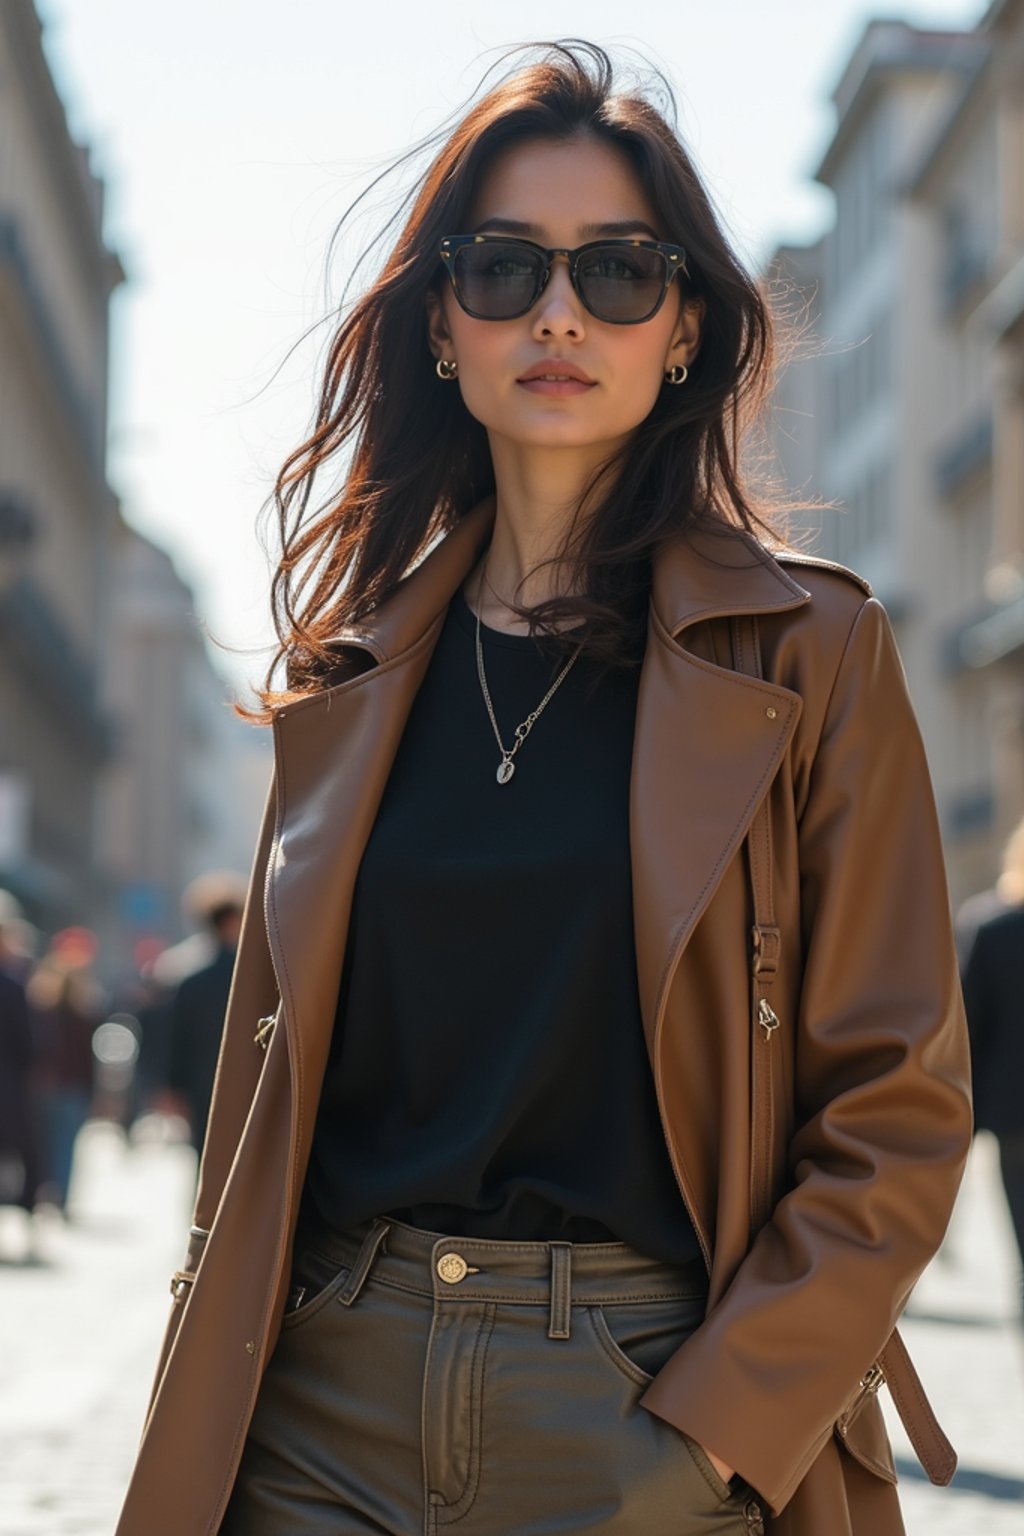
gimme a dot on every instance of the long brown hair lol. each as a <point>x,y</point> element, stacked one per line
<point>421,461</point>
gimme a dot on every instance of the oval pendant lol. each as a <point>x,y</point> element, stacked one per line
<point>506,768</point>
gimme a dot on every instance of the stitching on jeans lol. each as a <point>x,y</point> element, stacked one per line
<point>615,1299</point>
<point>399,1285</point>
<point>611,1299</point>
<point>560,1297</point>
<point>690,1294</point>
<point>472,1487</point>
<point>366,1259</point>
<point>430,1498</point>
<point>303,1314</point>
<point>622,1363</point>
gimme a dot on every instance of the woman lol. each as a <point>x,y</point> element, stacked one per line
<point>533,1198</point>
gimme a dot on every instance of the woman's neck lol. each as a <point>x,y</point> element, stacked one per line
<point>536,497</point>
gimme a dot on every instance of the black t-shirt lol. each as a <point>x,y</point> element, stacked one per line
<point>488,1073</point>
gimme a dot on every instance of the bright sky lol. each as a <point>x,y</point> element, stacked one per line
<point>232,135</point>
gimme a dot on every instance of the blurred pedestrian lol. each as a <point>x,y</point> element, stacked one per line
<point>18,1162</point>
<point>993,983</point>
<point>1008,891</point>
<point>139,997</point>
<point>199,1002</point>
<point>19,940</point>
<point>66,1005</point>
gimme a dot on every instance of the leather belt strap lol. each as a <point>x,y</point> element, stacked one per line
<point>559,1321</point>
<point>933,1449</point>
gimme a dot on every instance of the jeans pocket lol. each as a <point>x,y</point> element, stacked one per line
<point>718,1485</point>
<point>316,1278</point>
<point>639,1337</point>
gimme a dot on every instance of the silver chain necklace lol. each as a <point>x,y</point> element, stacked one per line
<point>506,768</point>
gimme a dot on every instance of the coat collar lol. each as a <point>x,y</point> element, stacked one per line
<point>699,574</point>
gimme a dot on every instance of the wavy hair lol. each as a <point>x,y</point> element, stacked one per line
<point>419,461</point>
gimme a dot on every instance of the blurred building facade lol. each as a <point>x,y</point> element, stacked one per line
<point>969,190</point>
<point>185,786</point>
<point>56,508</point>
<point>906,410</point>
<point>123,771</point>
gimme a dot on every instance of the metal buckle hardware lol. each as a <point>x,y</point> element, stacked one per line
<point>870,1382</point>
<point>767,1017</point>
<point>266,1029</point>
<point>872,1379</point>
<point>767,941</point>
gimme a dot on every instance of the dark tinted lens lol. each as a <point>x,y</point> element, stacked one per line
<point>621,282</point>
<point>497,279</point>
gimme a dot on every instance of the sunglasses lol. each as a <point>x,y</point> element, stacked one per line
<point>623,282</point>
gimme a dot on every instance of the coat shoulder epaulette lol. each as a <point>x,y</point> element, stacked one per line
<point>800,557</point>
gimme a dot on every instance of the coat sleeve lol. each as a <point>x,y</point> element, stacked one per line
<point>883,1118</point>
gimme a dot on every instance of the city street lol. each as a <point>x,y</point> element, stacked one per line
<point>81,1317</point>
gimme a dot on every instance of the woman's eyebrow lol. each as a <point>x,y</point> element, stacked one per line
<point>586,231</point>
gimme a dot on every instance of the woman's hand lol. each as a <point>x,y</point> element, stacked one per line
<point>723,1468</point>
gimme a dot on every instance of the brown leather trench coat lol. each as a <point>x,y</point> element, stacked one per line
<point>873,1047</point>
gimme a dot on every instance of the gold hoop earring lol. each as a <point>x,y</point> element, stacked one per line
<point>446,368</point>
<point>677,374</point>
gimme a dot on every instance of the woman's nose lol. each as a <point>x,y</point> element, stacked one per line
<point>559,304</point>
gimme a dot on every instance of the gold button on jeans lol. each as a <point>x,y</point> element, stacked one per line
<point>452,1267</point>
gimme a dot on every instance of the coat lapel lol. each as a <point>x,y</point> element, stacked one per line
<point>333,753</point>
<point>706,747</point>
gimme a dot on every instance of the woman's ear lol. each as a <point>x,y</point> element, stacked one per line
<point>685,342</point>
<point>439,337</point>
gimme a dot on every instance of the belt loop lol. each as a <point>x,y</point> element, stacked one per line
<point>364,1261</point>
<point>561,1292</point>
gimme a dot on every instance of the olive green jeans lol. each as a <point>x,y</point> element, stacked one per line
<point>422,1382</point>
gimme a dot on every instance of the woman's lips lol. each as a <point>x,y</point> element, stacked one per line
<point>555,386</point>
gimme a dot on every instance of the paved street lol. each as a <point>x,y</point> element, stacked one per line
<point>81,1319</point>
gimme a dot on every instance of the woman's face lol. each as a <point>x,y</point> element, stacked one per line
<point>564,193</point>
